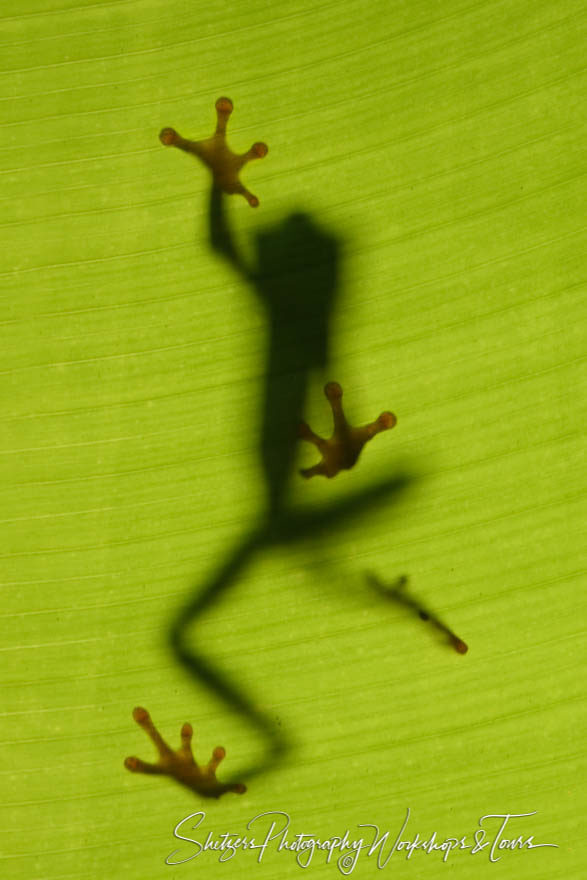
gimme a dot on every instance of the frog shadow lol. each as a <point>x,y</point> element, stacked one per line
<point>296,278</point>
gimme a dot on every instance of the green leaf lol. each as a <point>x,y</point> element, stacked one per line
<point>443,146</point>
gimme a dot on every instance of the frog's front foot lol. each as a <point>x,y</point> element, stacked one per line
<point>214,152</point>
<point>342,449</point>
<point>180,763</point>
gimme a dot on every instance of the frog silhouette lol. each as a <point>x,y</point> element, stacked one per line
<point>295,275</point>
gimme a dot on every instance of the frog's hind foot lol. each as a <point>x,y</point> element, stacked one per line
<point>180,763</point>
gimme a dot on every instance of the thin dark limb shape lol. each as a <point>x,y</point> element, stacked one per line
<point>202,669</point>
<point>180,763</point>
<point>397,592</point>
<point>342,449</point>
<point>217,155</point>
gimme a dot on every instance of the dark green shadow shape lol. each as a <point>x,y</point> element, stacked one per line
<point>296,278</point>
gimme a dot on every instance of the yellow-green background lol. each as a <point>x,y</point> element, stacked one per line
<point>444,142</point>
